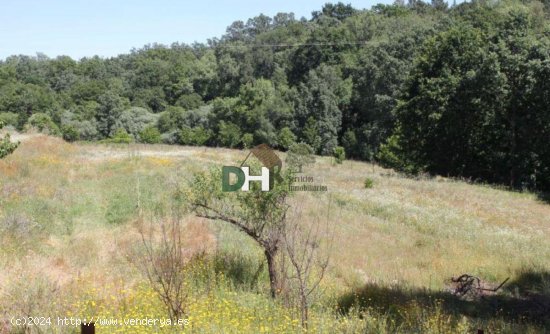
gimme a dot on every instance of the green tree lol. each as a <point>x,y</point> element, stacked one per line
<point>349,142</point>
<point>298,156</point>
<point>339,11</point>
<point>229,134</point>
<point>248,140</point>
<point>339,154</point>
<point>150,135</point>
<point>26,100</point>
<point>43,123</point>
<point>286,138</point>
<point>261,215</point>
<point>449,120</point>
<point>190,101</point>
<point>323,96</point>
<point>259,109</point>
<point>135,120</point>
<point>70,133</point>
<point>6,146</point>
<point>108,113</point>
<point>197,136</point>
<point>120,136</point>
<point>310,134</point>
<point>172,118</point>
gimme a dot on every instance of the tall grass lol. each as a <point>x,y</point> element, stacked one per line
<point>67,222</point>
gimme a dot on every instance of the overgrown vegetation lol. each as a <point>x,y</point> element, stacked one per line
<point>70,215</point>
<point>6,146</point>
<point>145,231</point>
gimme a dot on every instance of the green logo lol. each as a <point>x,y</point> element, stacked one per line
<point>270,172</point>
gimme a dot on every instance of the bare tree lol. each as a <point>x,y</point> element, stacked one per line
<point>308,263</point>
<point>165,262</point>
<point>27,295</point>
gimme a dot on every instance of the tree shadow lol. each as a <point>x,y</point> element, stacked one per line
<point>243,272</point>
<point>523,300</point>
<point>544,197</point>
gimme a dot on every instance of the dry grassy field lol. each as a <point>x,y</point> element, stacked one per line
<point>68,224</point>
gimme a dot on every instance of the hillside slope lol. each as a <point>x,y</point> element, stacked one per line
<point>67,213</point>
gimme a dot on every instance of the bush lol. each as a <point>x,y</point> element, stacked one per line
<point>391,155</point>
<point>229,134</point>
<point>339,154</point>
<point>120,137</point>
<point>70,133</point>
<point>190,101</point>
<point>299,155</point>
<point>172,137</point>
<point>286,138</point>
<point>9,118</point>
<point>369,183</point>
<point>84,126</point>
<point>248,140</point>
<point>150,135</point>
<point>135,120</point>
<point>44,123</point>
<point>6,146</point>
<point>176,118</point>
<point>197,136</point>
<point>349,142</point>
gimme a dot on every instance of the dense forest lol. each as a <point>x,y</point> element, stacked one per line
<point>461,90</point>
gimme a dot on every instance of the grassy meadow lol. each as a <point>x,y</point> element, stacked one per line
<point>69,223</point>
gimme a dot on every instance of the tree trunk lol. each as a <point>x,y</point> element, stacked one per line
<point>306,316</point>
<point>304,308</point>
<point>513,159</point>
<point>270,256</point>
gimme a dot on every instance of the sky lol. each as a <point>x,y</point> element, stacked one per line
<point>79,28</point>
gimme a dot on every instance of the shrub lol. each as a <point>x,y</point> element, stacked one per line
<point>120,137</point>
<point>197,136</point>
<point>150,135</point>
<point>248,140</point>
<point>135,120</point>
<point>391,155</point>
<point>9,118</point>
<point>172,137</point>
<point>299,155</point>
<point>84,125</point>
<point>339,154</point>
<point>229,134</point>
<point>6,146</point>
<point>44,123</point>
<point>70,133</point>
<point>349,142</point>
<point>190,101</point>
<point>286,138</point>
<point>369,183</point>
